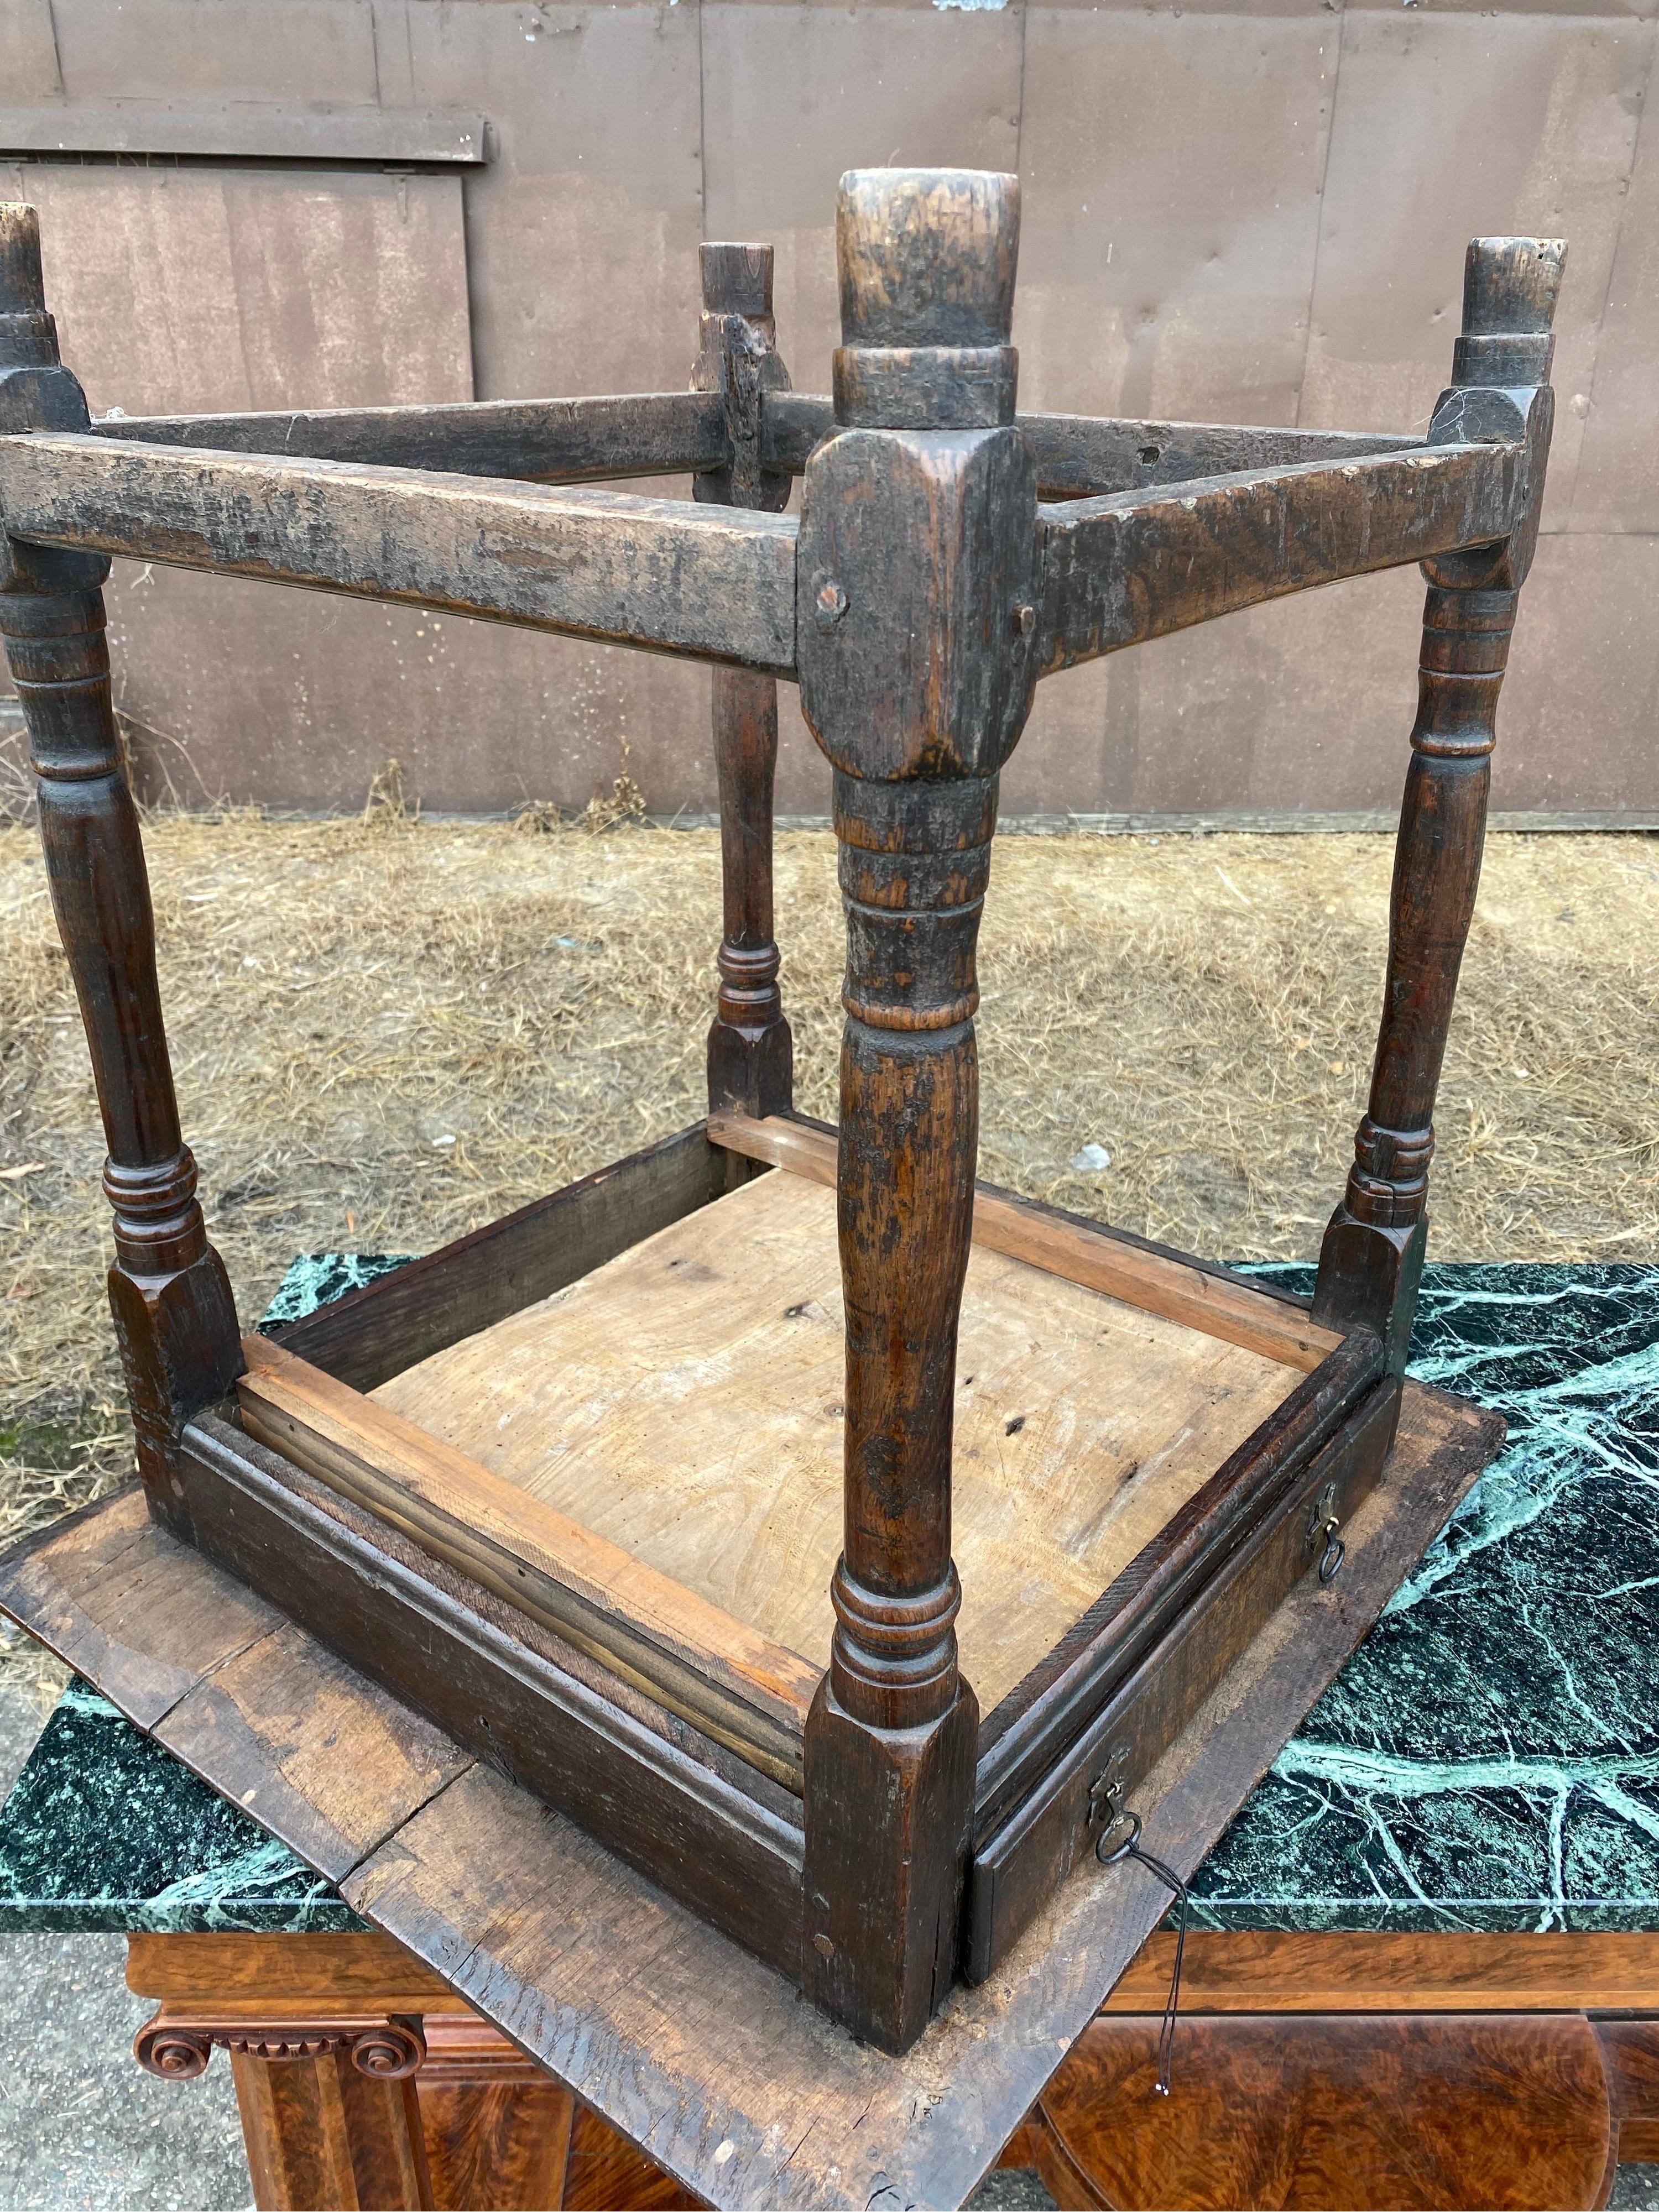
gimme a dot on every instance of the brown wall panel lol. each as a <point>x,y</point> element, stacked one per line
<point>1582,709</point>
<point>1172,177</point>
<point>1618,482</point>
<point>1255,211</point>
<point>1448,126</point>
<point>1305,706</point>
<point>321,49</point>
<point>28,53</point>
<point>794,95</point>
<point>582,231</point>
<point>188,290</point>
<point>337,686</point>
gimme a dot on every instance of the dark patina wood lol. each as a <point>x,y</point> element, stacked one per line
<point>658,574</point>
<point>908,535</point>
<point>1137,565</point>
<point>1071,1795</point>
<point>751,1051</point>
<point>676,2034</point>
<point>1080,456</point>
<point>647,433</point>
<point>707,1826</point>
<point>174,1315</point>
<point>1372,1255</point>
<point>830,1821</point>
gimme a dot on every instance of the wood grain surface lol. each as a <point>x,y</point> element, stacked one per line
<point>708,1826</point>
<point>684,1402</point>
<point>1139,565</point>
<point>1158,1282</point>
<point>929,2124</point>
<point>683,2039</point>
<point>349,1967</point>
<point>130,1611</point>
<point>433,1302</point>
<point>645,434</point>
<point>1081,456</point>
<point>305,1746</point>
<point>1348,1970</point>
<point>645,1625</point>
<point>1380,2115</point>
<point>711,581</point>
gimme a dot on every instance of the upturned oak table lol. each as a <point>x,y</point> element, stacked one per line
<point>1424,1966</point>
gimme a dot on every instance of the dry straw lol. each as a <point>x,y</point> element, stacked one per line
<point>386,1031</point>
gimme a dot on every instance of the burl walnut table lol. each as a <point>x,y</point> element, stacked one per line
<point>1424,1968</point>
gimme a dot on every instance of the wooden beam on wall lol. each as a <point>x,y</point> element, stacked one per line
<point>278,130</point>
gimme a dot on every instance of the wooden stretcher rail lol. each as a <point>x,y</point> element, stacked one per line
<point>646,434</point>
<point>703,1823</point>
<point>1079,456</point>
<point>1218,1304</point>
<point>1024,1735</point>
<point>738,1685</point>
<point>398,1320</point>
<point>1137,565</point>
<point>1036,1811</point>
<point>716,583</point>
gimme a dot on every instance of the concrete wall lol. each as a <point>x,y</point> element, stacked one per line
<point>1252,213</point>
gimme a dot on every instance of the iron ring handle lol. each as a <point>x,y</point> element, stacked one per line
<point>1336,1551</point>
<point>1118,1851</point>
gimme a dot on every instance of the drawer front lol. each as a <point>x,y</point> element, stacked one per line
<point>1035,1848</point>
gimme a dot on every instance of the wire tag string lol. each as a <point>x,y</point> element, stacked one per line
<point>1129,1848</point>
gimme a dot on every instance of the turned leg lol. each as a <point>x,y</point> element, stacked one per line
<point>916,565</point>
<point>1373,1255</point>
<point>892,1736</point>
<point>174,1315</point>
<point>750,1052</point>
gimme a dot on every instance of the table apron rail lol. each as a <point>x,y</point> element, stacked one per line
<point>649,434</point>
<point>1137,565</point>
<point>719,583</point>
<point>1079,456</point>
<point>713,583</point>
<point>639,434</point>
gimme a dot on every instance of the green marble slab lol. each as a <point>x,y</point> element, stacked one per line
<point>1488,1759</point>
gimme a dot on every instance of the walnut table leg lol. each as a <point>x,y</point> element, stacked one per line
<point>365,2084</point>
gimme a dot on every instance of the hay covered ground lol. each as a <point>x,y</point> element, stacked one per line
<point>388,1032</point>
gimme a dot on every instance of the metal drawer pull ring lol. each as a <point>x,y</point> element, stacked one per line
<point>1128,1847</point>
